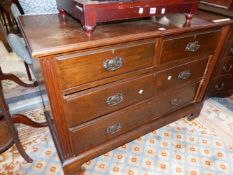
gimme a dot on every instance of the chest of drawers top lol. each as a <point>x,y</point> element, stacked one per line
<point>56,34</point>
<point>104,87</point>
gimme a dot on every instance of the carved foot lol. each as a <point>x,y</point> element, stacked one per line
<point>62,11</point>
<point>20,118</point>
<point>77,171</point>
<point>89,29</point>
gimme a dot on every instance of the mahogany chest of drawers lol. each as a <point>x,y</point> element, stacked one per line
<point>123,81</point>
<point>221,84</point>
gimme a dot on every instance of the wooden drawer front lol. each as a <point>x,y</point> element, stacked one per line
<point>179,75</point>
<point>95,65</point>
<point>230,50</point>
<point>111,125</point>
<point>222,84</point>
<point>107,98</point>
<point>194,45</point>
<point>227,67</point>
<point>177,99</point>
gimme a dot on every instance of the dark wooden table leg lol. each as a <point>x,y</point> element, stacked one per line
<point>14,132</point>
<point>28,71</point>
<point>17,118</point>
<point>6,140</point>
<point>16,138</point>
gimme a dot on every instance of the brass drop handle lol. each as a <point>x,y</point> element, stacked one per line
<point>176,102</point>
<point>192,46</point>
<point>113,128</point>
<point>113,64</point>
<point>184,75</point>
<point>115,99</point>
<point>219,88</point>
<point>227,69</point>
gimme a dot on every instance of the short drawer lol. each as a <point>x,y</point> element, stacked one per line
<point>105,128</point>
<point>179,75</point>
<point>221,84</point>
<point>227,66</point>
<point>177,99</point>
<point>84,67</point>
<point>96,102</point>
<point>188,46</point>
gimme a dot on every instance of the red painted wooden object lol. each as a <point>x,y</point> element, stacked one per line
<point>90,12</point>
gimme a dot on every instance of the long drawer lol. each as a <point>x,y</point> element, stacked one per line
<point>179,75</point>
<point>84,67</point>
<point>111,125</point>
<point>192,45</point>
<point>102,129</point>
<point>87,105</point>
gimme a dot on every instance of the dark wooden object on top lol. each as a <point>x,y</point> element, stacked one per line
<point>224,4</point>
<point>91,12</point>
<point>10,134</point>
<point>221,84</point>
<point>224,7</point>
<point>124,80</point>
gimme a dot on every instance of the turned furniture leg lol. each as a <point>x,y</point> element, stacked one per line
<point>14,133</point>
<point>28,71</point>
<point>89,29</point>
<point>89,25</point>
<point>17,118</point>
<point>78,170</point>
<point>188,18</point>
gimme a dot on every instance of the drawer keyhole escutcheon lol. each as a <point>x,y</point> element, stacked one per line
<point>219,87</point>
<point>176,102</point>
<point>227,69</point>
<point>115,99</point>
<point>184,75</point>
<point>113,128</point>
<point>113,64</point>
<point>192,46</point>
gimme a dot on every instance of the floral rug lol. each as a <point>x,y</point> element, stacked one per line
<point>181,147</point>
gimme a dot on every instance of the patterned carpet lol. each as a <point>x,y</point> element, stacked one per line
<point>179,148</point>
<point>201,147</point>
